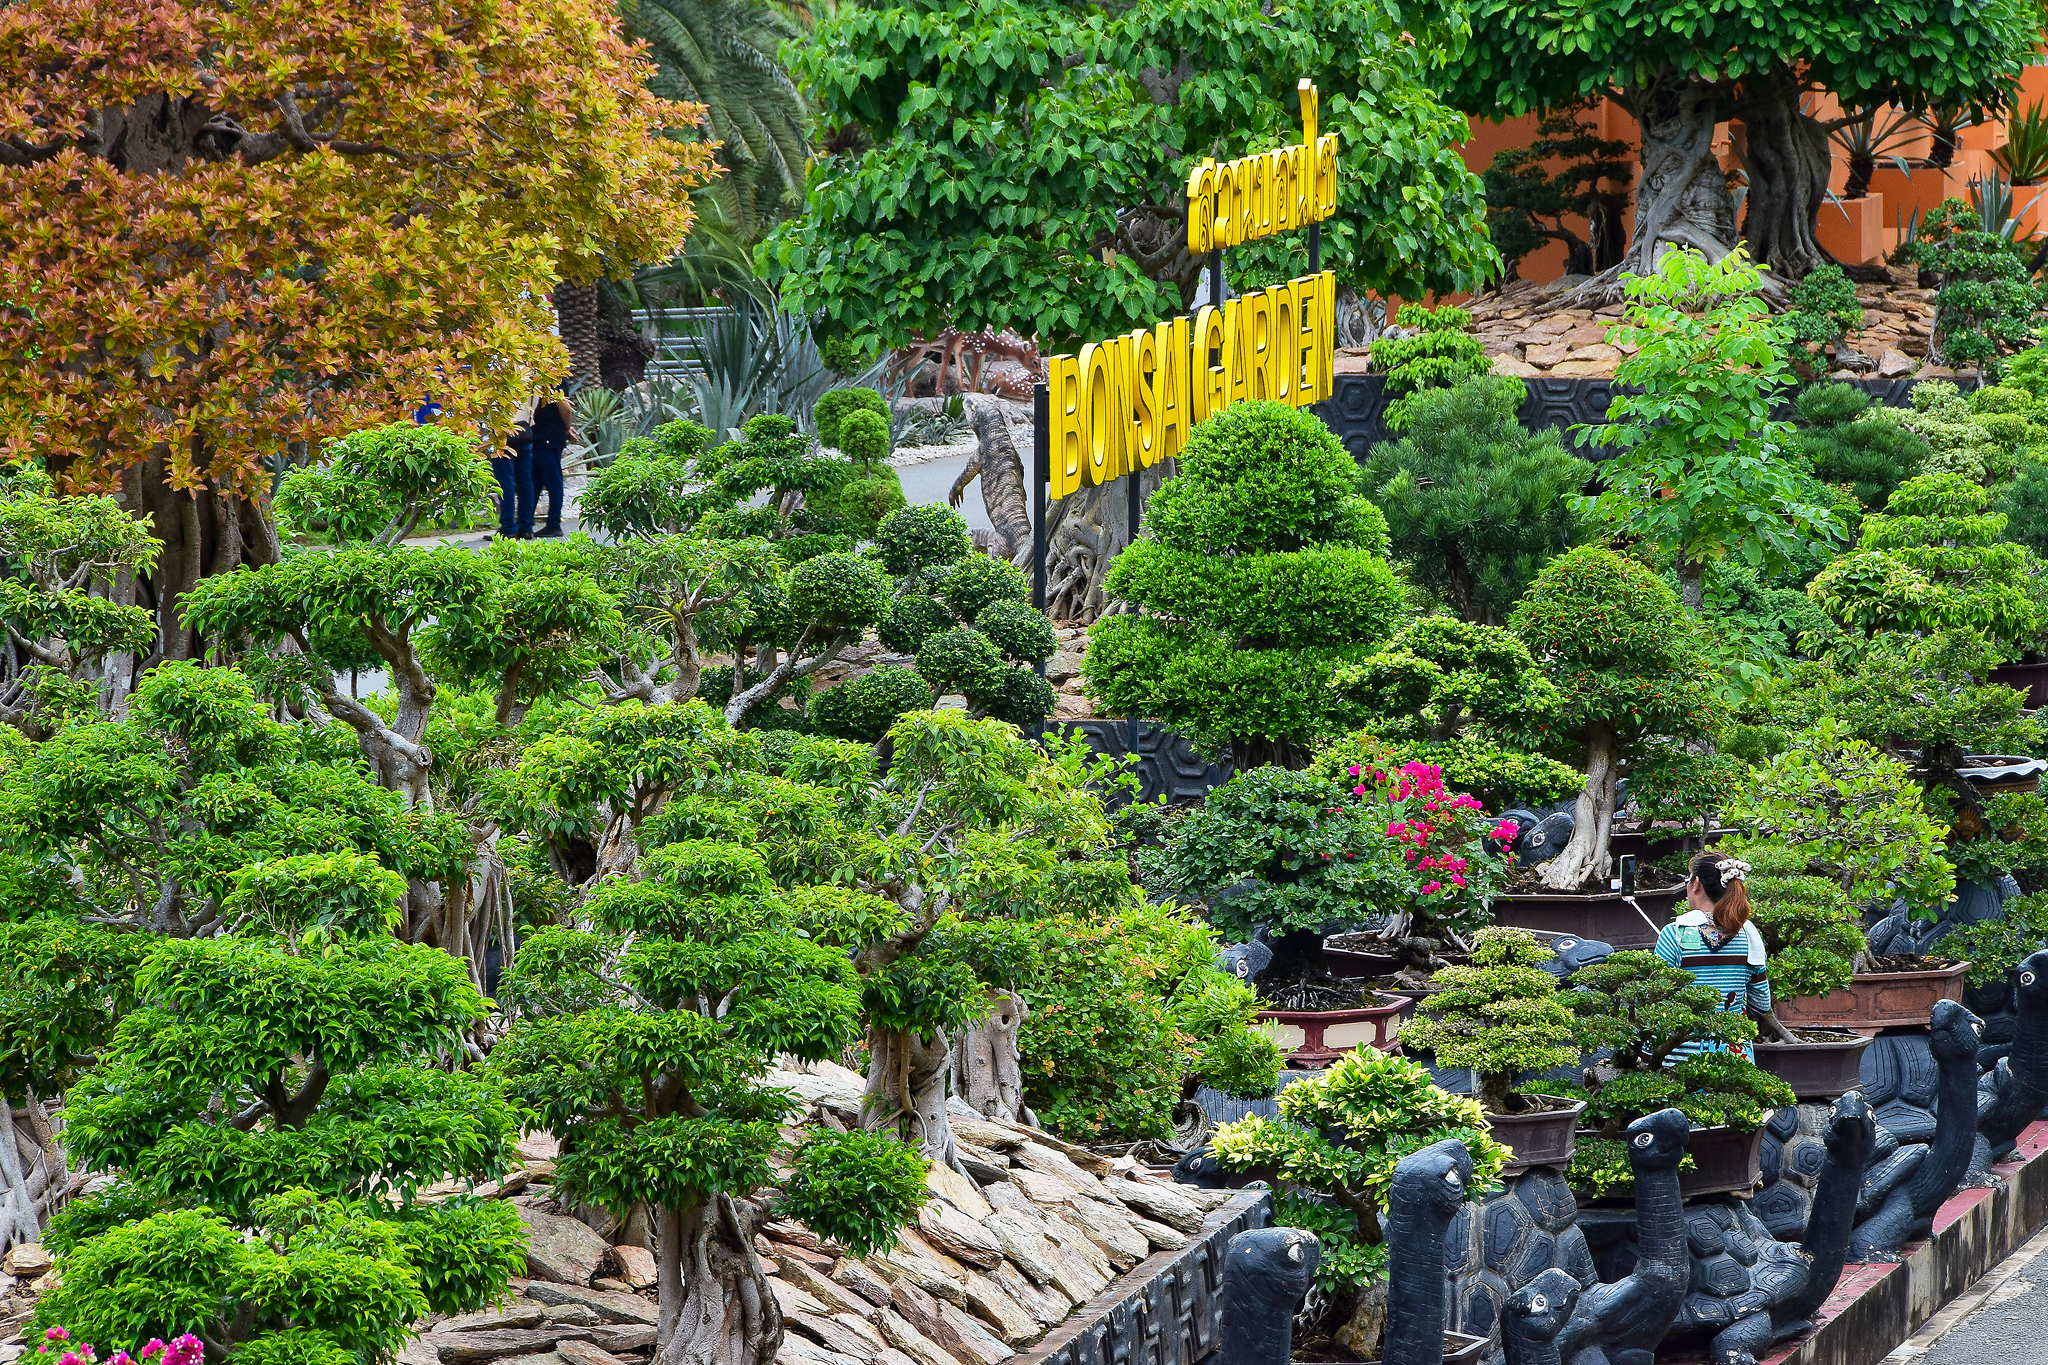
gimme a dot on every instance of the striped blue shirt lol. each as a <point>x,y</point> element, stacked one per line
<point>1732,966</point>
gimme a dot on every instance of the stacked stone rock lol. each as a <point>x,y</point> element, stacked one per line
<point>996,1259</point>
<point>1527,341</point>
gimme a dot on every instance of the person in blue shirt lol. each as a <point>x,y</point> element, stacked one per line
<point>554,426</point>
<point>1714,940</point>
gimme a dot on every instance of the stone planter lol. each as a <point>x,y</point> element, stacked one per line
<point>1538,1139</point>
<point>1315,1038</point>
<point>1877,1000</point>
<point>1725,1160</point>
<point>1604,916</point>
<point>1815,1071</point>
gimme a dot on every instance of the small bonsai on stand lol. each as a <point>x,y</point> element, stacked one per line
<point>1647,1011</point>
<point>1501,1016</point>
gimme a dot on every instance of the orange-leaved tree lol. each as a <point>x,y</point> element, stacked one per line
<point>230,229</point>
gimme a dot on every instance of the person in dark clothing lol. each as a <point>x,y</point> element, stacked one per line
<point>553,429</point>
<point>513,466</point>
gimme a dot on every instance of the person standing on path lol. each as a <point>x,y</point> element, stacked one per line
<point>554,426</point>
<point>513,466</point>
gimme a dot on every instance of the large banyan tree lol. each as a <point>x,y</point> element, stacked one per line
<point>1680,68</point>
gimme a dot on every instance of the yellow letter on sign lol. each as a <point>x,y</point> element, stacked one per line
<point>1209,378</point>
<point>1063,398</point>
<point>1170,388</point>
<point>1283,377</point>
<point>1201,207</point>
<point>1098,384</point>
<point>1144,398</point>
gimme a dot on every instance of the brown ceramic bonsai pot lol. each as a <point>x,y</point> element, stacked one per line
<point>1877,1000</point>
<point>1315,1038</point>
<point>1815,1070</point>
<point>1603,916</point>
<point>1540,1138</point>
<point>1725,1160</point>
<point>1460,1349</point>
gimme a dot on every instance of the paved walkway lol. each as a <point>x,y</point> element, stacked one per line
<point>2000,1320</point>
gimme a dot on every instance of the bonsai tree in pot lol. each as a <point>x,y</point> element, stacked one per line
<point>1262,573</point>
<point>1304,854</point>
<point>1833,825</point>
<point>1650,1013</point>
<point>1620,650</point>
<point>1330,1156</point>
<point>1500,1016</point>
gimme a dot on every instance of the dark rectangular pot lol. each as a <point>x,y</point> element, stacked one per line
<point>1603,916</point>
<point>1877,1000</point>
<point>1545,1139</point>
<point>1315,1038</point>
<point>2028,677</point>
<point>1815,1071</point>
<point>1724,1160</point>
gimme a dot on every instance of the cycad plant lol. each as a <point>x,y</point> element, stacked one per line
<point>723,54</point>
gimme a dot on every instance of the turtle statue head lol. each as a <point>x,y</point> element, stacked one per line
<point>2031,981</point>
<point>1434,1178</point>
<point>1852,1131</point>
<point>1952,1032</point>
<point>1656,1142</point>
<point>1540,1309</point>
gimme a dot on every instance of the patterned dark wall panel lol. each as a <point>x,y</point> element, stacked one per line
<point>1356,409</point>
<point>1166,1310</point>
<point>1167,763</point>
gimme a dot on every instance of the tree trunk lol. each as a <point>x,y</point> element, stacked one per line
<point>1682,198</point>
<point>1692,582</point>
<point>987,1072</point>
<point>1585,859</point>
<point>576,316</point>
<point>906,1090</point>
<point>1255,751</point>
<point>1861,169</point>
<point>1494,1089</point>
<point>1789,162</point>
<point>716,1306</point>
<point>1085,531</point>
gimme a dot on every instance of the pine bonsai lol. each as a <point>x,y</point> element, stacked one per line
<point>1500,1016</point>
<point>1474,501</point>
<point>1263,573</point>
<point>1527,205</point>
<point>1621,651</point>
<point>1427,348</point>
<point>1845,445</point>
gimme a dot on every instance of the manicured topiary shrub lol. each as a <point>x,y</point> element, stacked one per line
<point>831,409</point>
<point>1500,1016</point>
<point>865,708</point>
<point>978,580</point>
<point>1263,572</point>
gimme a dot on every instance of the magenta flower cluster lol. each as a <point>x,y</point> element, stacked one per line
<point>186,1350</point>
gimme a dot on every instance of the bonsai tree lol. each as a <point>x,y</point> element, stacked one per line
<point>1812,931</point>
<point>270,1107</point>
<point>835,404</point>
<point>1934,560</point>
<point>1263,573</point>
<point>1452,694</point>
<point>1653,1017</point>
<point>61,631</point>
<point>645,1042</point>
<point>1697,465</point>
<point>1304,854</point>
<point>1621,651</point>
<point>1331,1153</point>
<point>1429,348</point>
<point>1824,308</point>
<point>1844,446</point>
<point>1988,305</point>
<point>1527,205</point>
<point>1500,1016</point>
<point>1475,502</point>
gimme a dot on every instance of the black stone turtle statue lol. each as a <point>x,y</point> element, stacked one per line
<point>1266,1273</point>
<point>1427,1192</point>
<point>2012,1094</point>
<point>1747,1288</point>
<point>1621,1323</point>
<point>1534,1315</point>
<point>1901,1193</point>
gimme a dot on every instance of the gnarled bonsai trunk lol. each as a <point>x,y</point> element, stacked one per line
<point>1586,858</point>
<point>716,1306</point>
<point>906,1090</point>
<point>987,1072</point>
<point>1789,162</point>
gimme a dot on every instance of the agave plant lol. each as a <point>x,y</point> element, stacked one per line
<point>750,360</point>
<point>1865,140</point>
<point>2024,157</point>
<point>1990,195</point>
